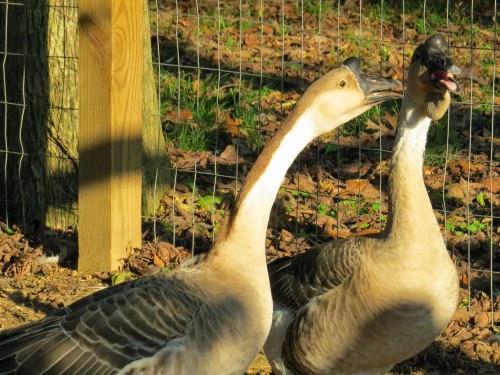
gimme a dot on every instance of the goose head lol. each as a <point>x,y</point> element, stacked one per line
<point>430,77</point>
<point>344,93</point>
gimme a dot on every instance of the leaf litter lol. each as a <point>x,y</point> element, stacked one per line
<point>332,191</point>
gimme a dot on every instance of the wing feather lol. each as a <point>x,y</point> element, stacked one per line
<point>105,331</point>
<point>297,279</point>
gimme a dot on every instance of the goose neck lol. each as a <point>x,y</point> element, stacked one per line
<point>249,219</point>
<point>409,203</point>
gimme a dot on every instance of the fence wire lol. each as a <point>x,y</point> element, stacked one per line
<point>224,64</point>
<point>227,75</point>
<point>39,114</point>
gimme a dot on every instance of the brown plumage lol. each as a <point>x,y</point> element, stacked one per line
<point>208,319</point>
<point>362,304</point>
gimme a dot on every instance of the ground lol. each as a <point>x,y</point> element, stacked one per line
<point>336,188</point>
<point>469,345</point>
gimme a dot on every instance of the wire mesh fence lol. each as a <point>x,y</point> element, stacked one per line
<point>230,73</point>
<point>39,113</point>
<point>227,75</point>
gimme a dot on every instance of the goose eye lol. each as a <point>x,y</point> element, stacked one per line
<point>417,55</point>
<point>343,83</point>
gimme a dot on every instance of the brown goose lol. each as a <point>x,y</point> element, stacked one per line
<point>211,318</point>
<point>363,304</point>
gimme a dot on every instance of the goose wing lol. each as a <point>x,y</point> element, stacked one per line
<point>297,279</point>
<point>101,333</point>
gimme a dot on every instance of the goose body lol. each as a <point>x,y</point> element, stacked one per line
<point>211,318</point>
<point>362,304</point>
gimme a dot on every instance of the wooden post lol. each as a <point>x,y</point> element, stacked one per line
<point>110,82</point>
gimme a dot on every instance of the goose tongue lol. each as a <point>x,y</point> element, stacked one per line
<point>439,64</point>
<point>446,78</point>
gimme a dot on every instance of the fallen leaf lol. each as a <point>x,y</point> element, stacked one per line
<point>484,351</point>
<point>362,187</point>
<point>157,261</point>
<point>229,156</point>
<point>179,117</point>
<point>482,320</point>
<point>491,184</point>
<point>467,347</point>
<point>461,315</point>
<point>232,126</point>
<point>354,186</point>
<point>338,233</point>
<point>372,125</point>
<point>368,231</point>
<point>427,170</point>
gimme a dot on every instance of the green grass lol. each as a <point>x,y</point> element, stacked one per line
<point>433,20</point>
<point>183,94</point>
<point>385,14</point>
<point>315,7</point>
<point>440,135</point>
<point>203,106</point>
<point>245,106</point>
<point>208,202</point>
<point>461,228</point>
<point>209,105</point>
<point>359,125</point>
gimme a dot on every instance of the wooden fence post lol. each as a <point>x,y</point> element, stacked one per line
<point>110,83</point>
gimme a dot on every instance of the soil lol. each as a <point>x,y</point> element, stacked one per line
<point>335,189</point>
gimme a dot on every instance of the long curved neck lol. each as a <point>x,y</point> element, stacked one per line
<point>247,226</point>
<point>409,203</point>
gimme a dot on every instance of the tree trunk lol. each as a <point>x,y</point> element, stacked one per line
<point>62,121</point>
<point>156,178</point>
<point>39,117</point>
<point>24,112</point>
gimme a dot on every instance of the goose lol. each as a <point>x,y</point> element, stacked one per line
<point>211,318</point>
<point>362,304</point>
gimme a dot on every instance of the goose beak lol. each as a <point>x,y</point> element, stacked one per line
<point>378,89</point>
<point>375,88</point>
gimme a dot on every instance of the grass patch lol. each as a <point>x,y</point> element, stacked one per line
<point>441,135</point>
<point>194,107</point>
<point>460,227</point>
<point>315,8</point>
<point>375,114</point>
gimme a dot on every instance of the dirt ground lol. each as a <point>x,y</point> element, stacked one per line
<point>334,190</point>
<point>469,345</point>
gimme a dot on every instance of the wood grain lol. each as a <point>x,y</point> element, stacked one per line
<point>110,58</point>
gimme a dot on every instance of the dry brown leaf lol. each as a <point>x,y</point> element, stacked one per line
<point>252,39</point>
<point>458,192</point>
<point>184,23</point>
<point>467,347</point>
<point>484,351</point>
<point>157,261</point>
<point>338,233</point>
<point>482,320</point>
<point>229,156</point>
<point>362,187</point>
<point>463,335</point>
<point>178,117</point>
<point>461,315</point>
<point>232,126</point>
<point>372,125</point>
<point>491,184</point>
<point>355,186</point>
<point>427,170</point>
<point>303,183</point>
